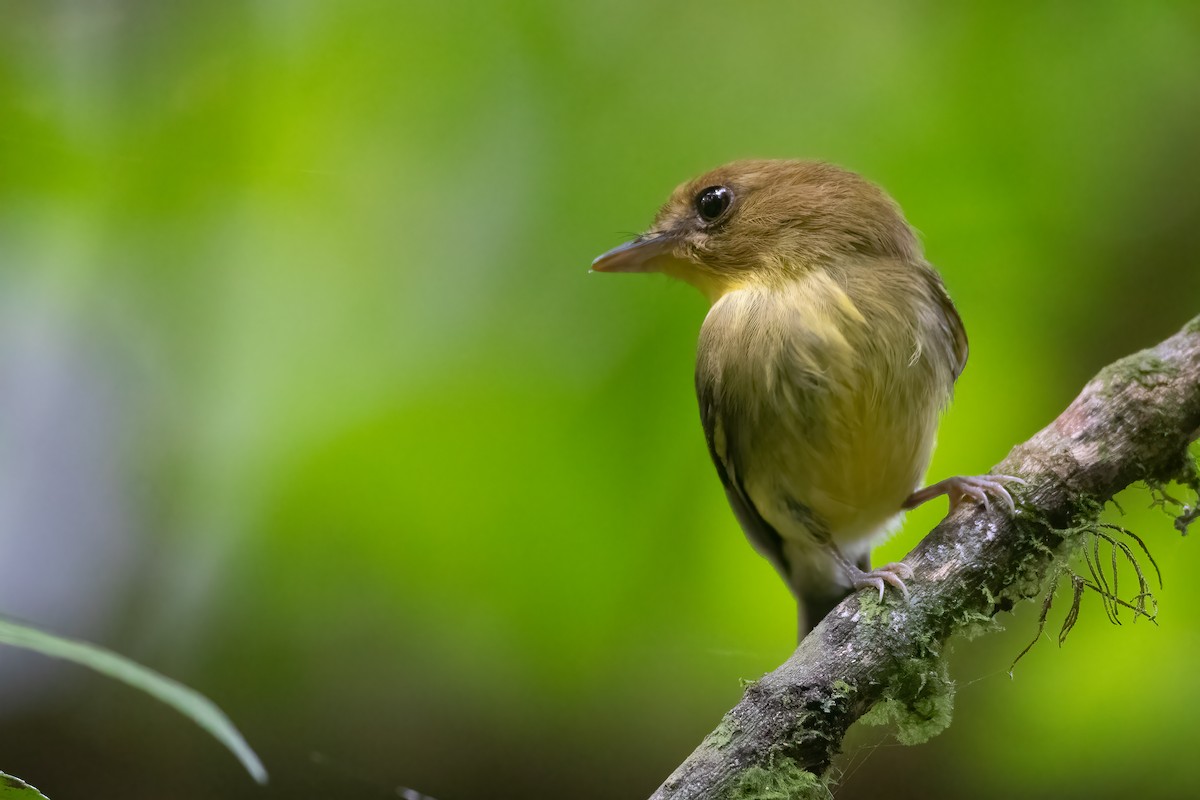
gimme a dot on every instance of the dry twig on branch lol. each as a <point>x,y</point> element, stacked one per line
<point>1133,422</point>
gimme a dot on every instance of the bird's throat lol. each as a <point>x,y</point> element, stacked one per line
<point>711,285</point>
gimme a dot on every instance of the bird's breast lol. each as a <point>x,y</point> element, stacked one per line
<point>824,412</point>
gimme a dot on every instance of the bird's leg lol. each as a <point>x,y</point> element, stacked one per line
<point>893,574</point>
<point>960,489</point>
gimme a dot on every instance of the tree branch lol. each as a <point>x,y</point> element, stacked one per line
<point>1133,422</point>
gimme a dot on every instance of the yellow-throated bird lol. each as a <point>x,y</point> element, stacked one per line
<point>829,352</point>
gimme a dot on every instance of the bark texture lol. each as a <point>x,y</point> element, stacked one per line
<point>1133,422</point>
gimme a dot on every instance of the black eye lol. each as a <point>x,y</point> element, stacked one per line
<point>712,202</point>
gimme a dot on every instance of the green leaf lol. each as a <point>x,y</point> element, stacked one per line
<point>16,789</point>
<point>186,701</point>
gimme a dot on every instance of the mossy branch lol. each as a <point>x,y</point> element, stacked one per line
<point>1133,422</point>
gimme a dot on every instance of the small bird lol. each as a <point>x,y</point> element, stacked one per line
<point>824,363</point>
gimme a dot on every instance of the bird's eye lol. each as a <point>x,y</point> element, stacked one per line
<point>712,202</point>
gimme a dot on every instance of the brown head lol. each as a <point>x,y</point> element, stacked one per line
<point>764,222</point>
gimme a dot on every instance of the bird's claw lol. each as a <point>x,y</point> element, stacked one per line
<point>974,488</point>
<point>893,574</point>
<point>978,488</point>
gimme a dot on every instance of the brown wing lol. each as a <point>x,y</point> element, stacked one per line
<point>721,434</point>
<point>952,324</point>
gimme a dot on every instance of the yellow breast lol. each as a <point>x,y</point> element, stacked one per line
<point>831,408</point>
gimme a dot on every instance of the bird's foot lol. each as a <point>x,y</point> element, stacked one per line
<point>961,489</point>
<point>893,574</point>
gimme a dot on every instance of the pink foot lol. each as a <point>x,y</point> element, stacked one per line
<point>961,489</point>
<point>893,574</point>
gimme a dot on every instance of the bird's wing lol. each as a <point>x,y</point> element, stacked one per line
<point>721,436</point>
<point>952,324</point>
<point>816,598</point>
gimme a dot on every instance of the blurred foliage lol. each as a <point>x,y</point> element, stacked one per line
<point>417,500</point>
<point>16,789</point>
<point>187,702</point>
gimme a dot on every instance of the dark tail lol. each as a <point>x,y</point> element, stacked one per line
<point>813,607</point>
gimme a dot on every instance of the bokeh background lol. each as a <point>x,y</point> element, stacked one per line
<point>308,400</point>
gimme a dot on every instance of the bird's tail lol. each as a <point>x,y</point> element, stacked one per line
<point>813,606</point>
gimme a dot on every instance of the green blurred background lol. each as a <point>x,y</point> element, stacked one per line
<point>307,398</point>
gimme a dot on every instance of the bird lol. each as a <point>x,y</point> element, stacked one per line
<point>828,354</point>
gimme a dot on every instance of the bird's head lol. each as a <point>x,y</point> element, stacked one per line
<point>766,222</point>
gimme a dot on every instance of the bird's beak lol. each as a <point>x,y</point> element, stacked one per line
<point>646,253</point>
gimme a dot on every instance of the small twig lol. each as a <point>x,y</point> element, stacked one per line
<point>1047,603</point>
